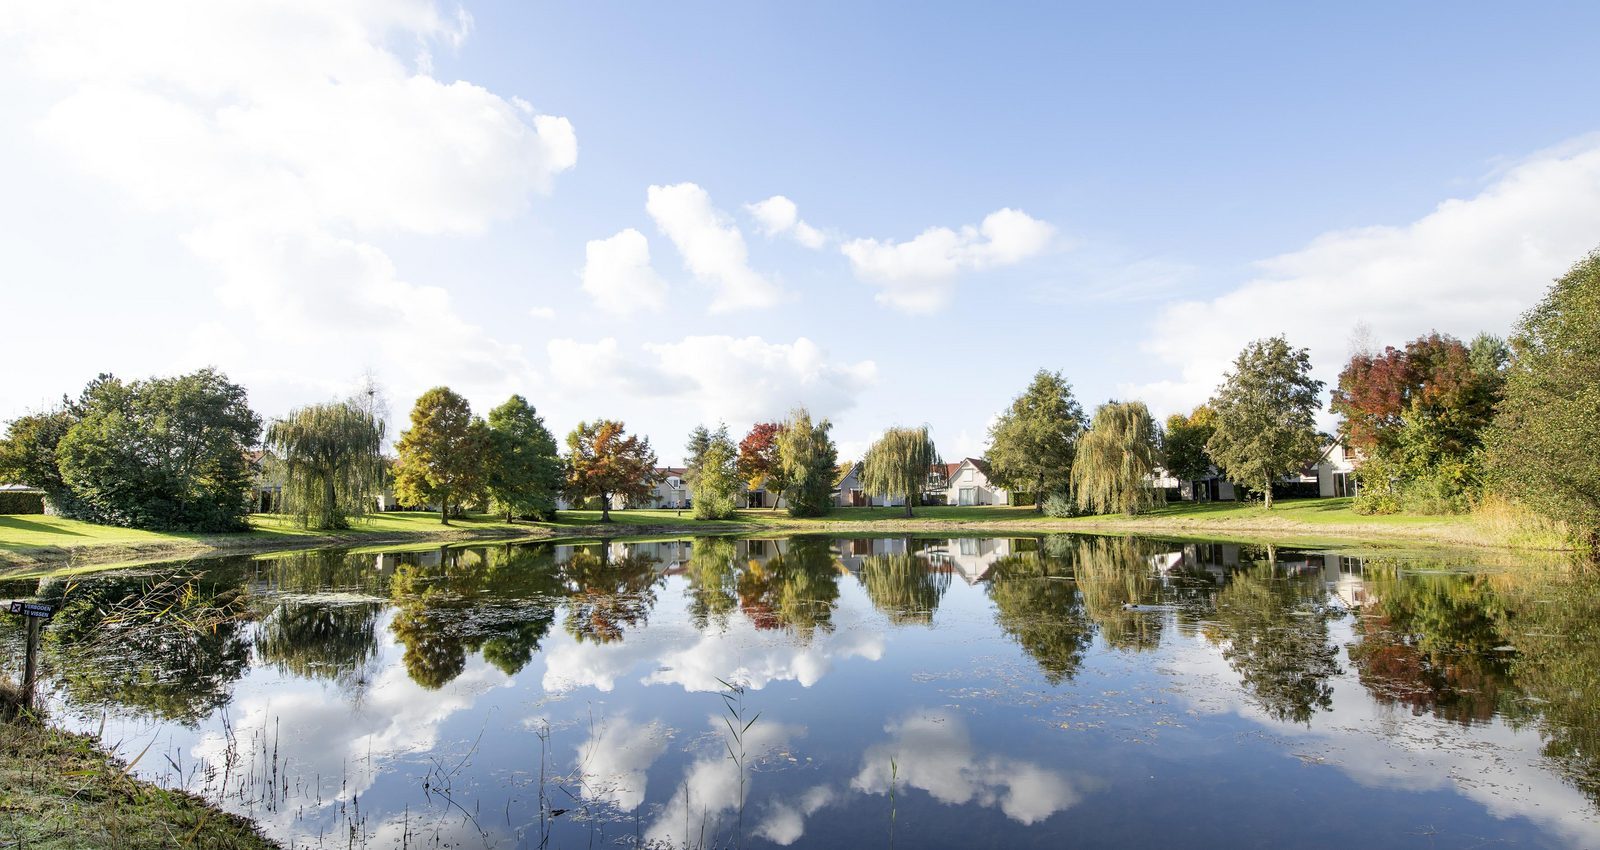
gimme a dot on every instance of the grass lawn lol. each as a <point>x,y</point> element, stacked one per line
<point>1309,511</point>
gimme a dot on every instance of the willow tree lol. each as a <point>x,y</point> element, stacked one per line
<point>1116,459</point>
<point>898,464</point>
<point>808,458</point>
<point>332,462</point>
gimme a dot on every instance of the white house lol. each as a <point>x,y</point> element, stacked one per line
<point>668,490</point>
<point>968,484</point>
<point>1336,471</point>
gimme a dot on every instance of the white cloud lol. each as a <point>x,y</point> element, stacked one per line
<point>283,137</point>
<point>613,762</point>
<point>779,216</point>
<point>543,314</point>
<point>723,377</point>
<point>918,276</point>
<point>1471,264</point>
<point>785,821</point>
<point>711,786</point>
<point>712,247</point>
<point>618,276</point>
<point>932,751</point>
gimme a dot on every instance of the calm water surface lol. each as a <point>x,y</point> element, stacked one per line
<point>822,692</point>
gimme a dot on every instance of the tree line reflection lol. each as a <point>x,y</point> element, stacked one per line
<point>1465,647</point>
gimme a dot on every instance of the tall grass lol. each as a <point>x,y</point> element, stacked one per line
<point>1507,523</point>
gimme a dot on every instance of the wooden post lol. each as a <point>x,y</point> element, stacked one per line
<point>31,667</point>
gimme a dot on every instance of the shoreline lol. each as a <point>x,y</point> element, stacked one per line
<point>1231,525</point>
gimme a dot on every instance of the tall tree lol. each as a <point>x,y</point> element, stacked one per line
<point>700,441</point>
<point>164,453</point>
<point>1186,443</point>
<point>1034,442</point>
<point>524,474</point>
<point>332,462</point>
<point>442,455</point>
<point>807,457</point>
<point>1116,458</point>
<point>898,464</point>
<point>1435,385</point>
<point>603,461</point>
<point>1541,446</point>
<point>716,485</point>
<point>28,456</point>
<point>1266,409</point>
<point>759,463</point>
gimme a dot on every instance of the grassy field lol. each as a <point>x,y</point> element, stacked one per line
<point>60,791</point>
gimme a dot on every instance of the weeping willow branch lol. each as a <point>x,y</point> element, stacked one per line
<point>898,464</point>
<point>1116,458</point>
<point>332,462</point>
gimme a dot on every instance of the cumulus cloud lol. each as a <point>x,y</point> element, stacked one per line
<point>932,751</point>
<point>712,247</point>
<point>618,276</point>
<point>284,137</point>
<point>918,275</point>
<point>1471,264</point>
<point>615,759</point>
<point>711,787</point>
<point>779,216</point>
<point>736,379</point>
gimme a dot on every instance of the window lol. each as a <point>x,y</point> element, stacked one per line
<point>969,545</point>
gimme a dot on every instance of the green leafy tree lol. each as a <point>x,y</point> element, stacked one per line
<point>1266,409</point>
<point>607,595</point>
<point>1037,607</point>
<point>694,453</point>
<point>1185,443</point>
<point>1541,446</point>
<point>808,459</point>
<point>165,453</point>
<point>898,464</point>
<point>605,462</point>
<point>1033,444</point>
<point>904,586</point>
<point>442,455</point>
<point>332,465</point>
<point>716,486</point>
<point>1116,458</point>
<point>28,456</point>
<point>1273,629</point>
<point>795,590</point>
<point>524,474</point>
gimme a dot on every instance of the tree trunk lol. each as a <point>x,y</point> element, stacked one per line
<point>1268,494</point>
<point>509,520</point>
<point>444,511</point>
<point>329,514</point>
<point>908,507</point>
<point>605,507</point>
<point>1038,496</point>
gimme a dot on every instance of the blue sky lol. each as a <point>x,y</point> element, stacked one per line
<point>298,192</point>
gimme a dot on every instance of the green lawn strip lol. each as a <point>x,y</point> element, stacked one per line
<point>60,790</point>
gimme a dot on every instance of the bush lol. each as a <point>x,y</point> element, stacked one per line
<point>21,503</point>
<point>1061,505</point>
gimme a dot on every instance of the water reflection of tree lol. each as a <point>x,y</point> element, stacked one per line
<point>796,589</point>
<point>1432,642</point>
<point>170,646</point>
<point>1274,630</point>
<point>498,600</point>
<point>904,586</point>
<point>1037,605</point>
<point>607,595</point>
<point>1557,666</point>
<point>1113,573</point>
<point>712,585</point>
<point>320,571</point>
<point>320,639</point>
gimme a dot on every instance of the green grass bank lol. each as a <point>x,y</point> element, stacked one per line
<point>33,543</point>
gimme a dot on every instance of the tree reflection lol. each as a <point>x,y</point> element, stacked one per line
<point>171,647</point>
<point>1112,574</point>
<point>1432,642</point>
<point>497,600</point>
<point>607,595</point>
<point>318,639</point>
<point>904,586</point>
<point>712,588</point>
<point>1274,631</point>
<point>1038,607</point>
<point>796,589</point>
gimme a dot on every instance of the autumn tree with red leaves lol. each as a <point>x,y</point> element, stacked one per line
<point>758,459</point>
<point>604,461</point>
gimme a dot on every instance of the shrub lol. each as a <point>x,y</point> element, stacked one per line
<point>1061,505</point>
<point>21,503</point>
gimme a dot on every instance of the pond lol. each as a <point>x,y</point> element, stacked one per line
<point>828,692</point>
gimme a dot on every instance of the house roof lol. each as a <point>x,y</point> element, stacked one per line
<point>945,469</point>
<point>671,470</point>
<point>843,472</point>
